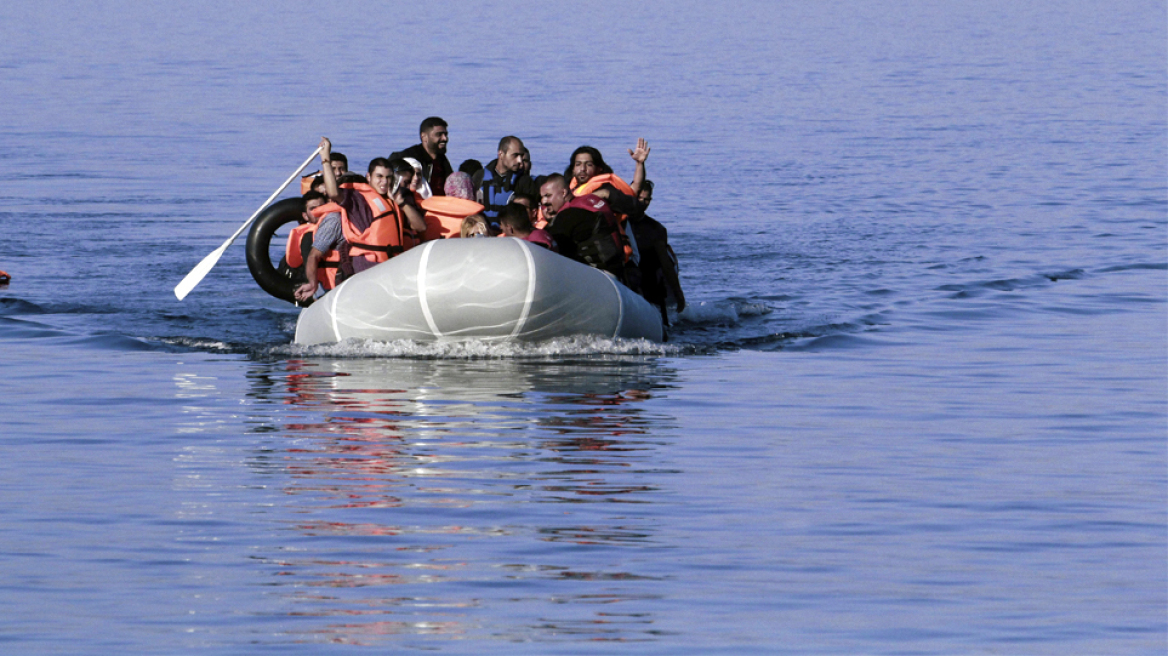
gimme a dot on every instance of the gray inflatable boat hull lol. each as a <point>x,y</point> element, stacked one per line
<point>483,289</point>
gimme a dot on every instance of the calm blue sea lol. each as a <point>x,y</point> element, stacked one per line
<point>918,405</point>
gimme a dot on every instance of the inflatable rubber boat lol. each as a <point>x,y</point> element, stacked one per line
<point>459,289</point>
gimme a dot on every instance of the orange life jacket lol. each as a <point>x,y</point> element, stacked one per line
<point>444,215</point>
<point>297,249</point>
<point>306,182</point>
<point>597,181</point>
<point>384,237</point>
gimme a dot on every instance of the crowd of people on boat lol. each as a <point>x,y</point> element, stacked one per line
<point>352,222</point>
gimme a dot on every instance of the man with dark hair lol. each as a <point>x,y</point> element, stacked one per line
<point>319,245</point>
<point>526,168</point>
<point>514,221</point>
<point>587,169</point>
<point>528,201</point>
<point>588,174</point>
<point>340,164</point>
<point>372,221</point>
<point>314,182</point>
<point>470,166</point>
<point>431,153</point>
<point>585,163</point>
<point>502,177</point>
<point>584,227</point>
<point>658,263</point>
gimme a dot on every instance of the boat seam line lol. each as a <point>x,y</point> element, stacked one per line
<point>333,312</point>
<point>523,246</point>
<point>422,289</point>
<point>620,304</point>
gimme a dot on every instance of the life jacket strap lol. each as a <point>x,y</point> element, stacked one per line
<point>390,250</point>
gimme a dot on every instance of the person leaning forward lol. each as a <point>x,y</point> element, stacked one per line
<point>372,222</point>
<point>584,227</point>
<point>326,262</point>
<point>515,222</point>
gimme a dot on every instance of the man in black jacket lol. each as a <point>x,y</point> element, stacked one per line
<point>431,153</point>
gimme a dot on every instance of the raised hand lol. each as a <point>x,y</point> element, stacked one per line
<point>641,153</point>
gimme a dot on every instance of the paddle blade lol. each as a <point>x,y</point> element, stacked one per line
<point>200,271</point>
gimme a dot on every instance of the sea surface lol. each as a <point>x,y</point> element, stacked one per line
<point>918,403</point>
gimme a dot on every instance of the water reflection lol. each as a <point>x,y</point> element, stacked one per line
<point>511,499</point>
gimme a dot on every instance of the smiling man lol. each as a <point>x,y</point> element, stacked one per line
<point>431,152</point>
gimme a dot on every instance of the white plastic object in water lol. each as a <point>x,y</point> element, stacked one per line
<point>459,289</point>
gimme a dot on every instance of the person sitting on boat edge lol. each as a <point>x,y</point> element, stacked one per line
<point>431,153</point>
<point>515,222</point>
<point>584,227</point>
<point>327,261</point>
<point>502,177</point>
<point>372,222</point>
<point>658,263</point>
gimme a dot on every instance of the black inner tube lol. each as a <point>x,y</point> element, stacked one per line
<point>280,281</point>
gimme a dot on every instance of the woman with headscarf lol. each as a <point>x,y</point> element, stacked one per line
<point>458,185</point>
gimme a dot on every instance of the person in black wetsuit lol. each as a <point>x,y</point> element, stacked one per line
<point>658,264</point>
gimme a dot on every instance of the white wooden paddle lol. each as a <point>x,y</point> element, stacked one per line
<point>203,268</point>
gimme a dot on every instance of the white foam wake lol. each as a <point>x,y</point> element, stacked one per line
<point>480,349</point>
